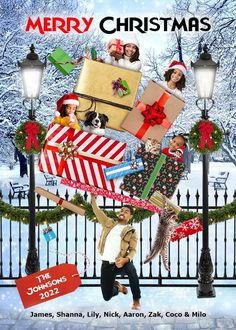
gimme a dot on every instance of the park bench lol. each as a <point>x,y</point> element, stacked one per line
<point>219,182</point>
<point>19,189</point>
<point>50,180</point>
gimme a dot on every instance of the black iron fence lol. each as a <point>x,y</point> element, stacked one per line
<point>77,237</point>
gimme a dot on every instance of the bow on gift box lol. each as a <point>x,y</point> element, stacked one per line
<point>31,130</point>
<point>154,114</point>
<point>134,165</point>
<point>205,128</point>
<point>118,85</point>
<point>68,150</point>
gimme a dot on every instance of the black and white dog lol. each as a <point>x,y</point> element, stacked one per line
<point>95,123</point>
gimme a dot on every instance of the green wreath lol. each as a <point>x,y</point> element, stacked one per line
<point>58,213</point>
<point>205,137</point>
<point>30,136</point>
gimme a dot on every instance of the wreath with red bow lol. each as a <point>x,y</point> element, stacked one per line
<point>205,137</point>
<point>30,136</point>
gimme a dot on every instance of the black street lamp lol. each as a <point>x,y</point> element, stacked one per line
<point>31,72</point>
<point>205,72</point>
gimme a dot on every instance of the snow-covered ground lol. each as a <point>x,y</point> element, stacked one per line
<point>173,299</point>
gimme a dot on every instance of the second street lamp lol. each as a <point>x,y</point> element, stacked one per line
<point>32,73</point>
<point>205,72</point>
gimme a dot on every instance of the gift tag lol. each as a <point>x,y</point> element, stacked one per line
<point>48,284</point>
<point>48,234</point>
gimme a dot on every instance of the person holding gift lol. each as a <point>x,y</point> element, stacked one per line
<point>129,59</point>
<point>176,147</point>
<point>66,108</point>
<point>117,247</point>
<point>175,78</point>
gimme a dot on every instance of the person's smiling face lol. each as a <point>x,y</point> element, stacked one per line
<point>130,49</point>
<point>176,76</point>
<point>176,142</point>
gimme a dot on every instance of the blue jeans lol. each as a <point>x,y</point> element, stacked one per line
<point>108,276</point>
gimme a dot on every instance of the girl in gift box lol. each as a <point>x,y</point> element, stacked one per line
<point>176,148</point>
<point>129,59</point>
<point>66,109</point>
<point>175,78</point>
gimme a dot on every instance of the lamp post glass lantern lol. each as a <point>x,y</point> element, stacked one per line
<point>205,72</point>
<point>31,73</point>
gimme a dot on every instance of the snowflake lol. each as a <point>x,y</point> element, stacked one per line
<point>184,227</point>
<point>181,235</point>
<point>194,224</point>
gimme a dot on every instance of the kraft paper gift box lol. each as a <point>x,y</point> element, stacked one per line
<point>94,87</point>
<point>158,200</point>
<point>153,114</point>
<point>161,173</point>
<point>187,228</point>
<point>59,56</point>
<point>79,155</point>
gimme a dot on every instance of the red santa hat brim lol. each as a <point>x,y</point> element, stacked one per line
<point>178,65</point>
<point>67,99</point>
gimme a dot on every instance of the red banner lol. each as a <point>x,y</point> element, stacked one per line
<point>48,284</point>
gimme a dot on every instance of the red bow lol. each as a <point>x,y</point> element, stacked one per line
<point>31,130</point>
<point>154,114</point>
<point>205,128</point>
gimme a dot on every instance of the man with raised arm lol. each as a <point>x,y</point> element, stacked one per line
<point>117,247</point>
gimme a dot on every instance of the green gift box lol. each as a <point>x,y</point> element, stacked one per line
<point>59,56</point>
<point>124,92</point>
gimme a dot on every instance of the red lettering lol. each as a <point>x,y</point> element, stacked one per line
<point>70,21</point>
<point>31,25</point>
<point>87,23</point>
<point>59,23</point>
<point>47,24</point>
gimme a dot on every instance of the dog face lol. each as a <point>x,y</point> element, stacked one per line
<point>95,122</point>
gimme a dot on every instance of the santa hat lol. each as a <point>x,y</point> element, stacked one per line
<point>178,65</point>
<point>67,99</point>
<point>131,39</point>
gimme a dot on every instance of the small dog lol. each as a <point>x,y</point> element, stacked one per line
<point>95,123</point>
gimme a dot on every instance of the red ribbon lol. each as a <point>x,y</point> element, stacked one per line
<point>118,45</point>
<point>154,114</point>
<point>61,200</point>
<point>205,128</point>
<point>31,130</point>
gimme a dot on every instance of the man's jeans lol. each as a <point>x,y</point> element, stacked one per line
<point>108,276</point>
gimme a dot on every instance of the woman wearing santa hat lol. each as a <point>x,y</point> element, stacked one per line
<point>130,58</point>
<point>66,109</point>
<point>175,78</point>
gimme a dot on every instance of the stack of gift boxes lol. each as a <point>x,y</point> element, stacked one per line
<point>96,162</point>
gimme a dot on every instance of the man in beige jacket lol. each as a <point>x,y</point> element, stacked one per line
<point>117,247</point>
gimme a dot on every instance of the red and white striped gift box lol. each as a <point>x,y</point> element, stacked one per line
<point>94,153</point>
